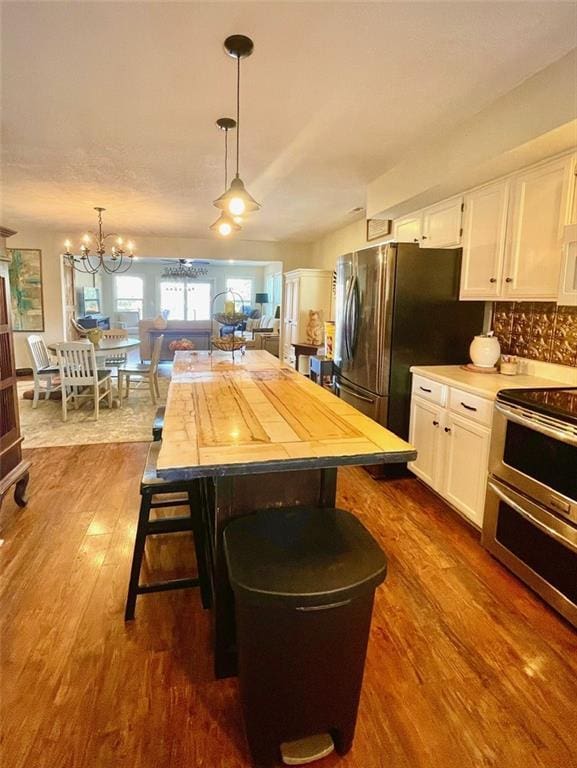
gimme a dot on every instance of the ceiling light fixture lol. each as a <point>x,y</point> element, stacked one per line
<point>236,200</point>
<point>225,225</point>
<point>116,261</point>
<point>183,270</point>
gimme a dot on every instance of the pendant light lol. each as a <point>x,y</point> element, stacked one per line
<point>225,225</point>
<point>236,200</point>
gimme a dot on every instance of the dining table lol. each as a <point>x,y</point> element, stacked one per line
<point>113,345</point>
<point>258,435</point>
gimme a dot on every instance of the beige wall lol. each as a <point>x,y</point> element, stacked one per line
<point>51,290</point>
<point>326,251</point>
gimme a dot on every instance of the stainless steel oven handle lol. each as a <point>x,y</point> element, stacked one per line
<point>536,425</point>
<point>551,532</point>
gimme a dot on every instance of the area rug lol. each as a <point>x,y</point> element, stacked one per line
<point>43,427</point>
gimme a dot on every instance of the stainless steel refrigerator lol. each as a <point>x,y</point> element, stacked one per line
<point>397,306</point>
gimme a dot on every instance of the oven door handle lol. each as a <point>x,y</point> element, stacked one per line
<point>536,425</point>
<point>551,532</point>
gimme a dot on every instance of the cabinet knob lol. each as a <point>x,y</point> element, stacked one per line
<point>415,240</point>
<point>508,279</point>
<point>447,429</point>
<point>435,423</point>
<point>493,280</point>
<point>424,237</point>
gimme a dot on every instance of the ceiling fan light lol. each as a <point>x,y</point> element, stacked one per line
<point>224,225</point>
<point>236,200</point>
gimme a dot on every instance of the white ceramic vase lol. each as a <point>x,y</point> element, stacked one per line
<point>485,351</point>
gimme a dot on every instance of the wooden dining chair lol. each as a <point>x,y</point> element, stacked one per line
<point>78,373</point>
<point>141,372</point>
<point>43,371</point>
<point>115,358</point>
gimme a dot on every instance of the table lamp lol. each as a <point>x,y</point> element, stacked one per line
<point>261,298</point>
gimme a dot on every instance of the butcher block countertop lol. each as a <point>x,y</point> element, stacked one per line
<point>256,414</point>
<point>482,384</point>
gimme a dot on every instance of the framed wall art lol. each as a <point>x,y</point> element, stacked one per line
<point>25,272</point>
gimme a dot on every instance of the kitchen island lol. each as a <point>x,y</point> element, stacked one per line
<point>258,435</point>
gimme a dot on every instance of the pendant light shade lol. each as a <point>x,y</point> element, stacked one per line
<point>236,200</point>
<point>224,225</point>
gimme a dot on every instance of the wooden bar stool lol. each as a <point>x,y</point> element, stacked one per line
<point>190,495</point>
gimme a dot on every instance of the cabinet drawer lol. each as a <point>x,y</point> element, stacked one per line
<point>429,390</point>
<point>474,407</point>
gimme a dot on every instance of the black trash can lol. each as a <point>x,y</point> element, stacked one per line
<point>304,582</point>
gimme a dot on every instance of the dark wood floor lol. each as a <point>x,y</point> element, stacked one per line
<point>465,666</point>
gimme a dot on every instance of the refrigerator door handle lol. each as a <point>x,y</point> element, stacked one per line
<point>354,313</point>
<point>346,328</point>
<point>352,392</point>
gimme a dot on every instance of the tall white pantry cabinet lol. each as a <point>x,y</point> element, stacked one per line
<point>304,289</point>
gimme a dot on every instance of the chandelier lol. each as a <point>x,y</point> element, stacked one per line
<point>83,262</point>
<point>183,271</point>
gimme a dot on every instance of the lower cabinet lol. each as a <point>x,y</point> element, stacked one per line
<point>466,461</point>
<point>453,454</point>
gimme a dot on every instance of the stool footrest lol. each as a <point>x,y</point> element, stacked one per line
<point>164,586</point>
<point>169,525</point>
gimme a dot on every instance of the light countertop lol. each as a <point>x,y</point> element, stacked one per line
<point>482,384</point>
<point>257,414</point>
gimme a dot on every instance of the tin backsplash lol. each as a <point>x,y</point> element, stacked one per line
<point>537,330</point>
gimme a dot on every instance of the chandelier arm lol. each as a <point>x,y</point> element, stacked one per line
<point>73,261</point>
<point>92,269</point>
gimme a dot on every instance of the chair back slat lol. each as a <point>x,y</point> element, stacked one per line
<point>38,352</point>
<point>155,357</point>
<point>77,363</point>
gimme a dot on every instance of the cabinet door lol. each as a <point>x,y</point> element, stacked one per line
<point>442,224</point>
<point>408,229</point>
<point>467,460</point>
<point>484,237</point>
<point>287,320</point>
<point>539,211</point>
<point>425,435</point>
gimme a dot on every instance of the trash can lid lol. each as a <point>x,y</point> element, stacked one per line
<point>302,556</point>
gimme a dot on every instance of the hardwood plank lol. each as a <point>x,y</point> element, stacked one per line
<point>465,668</point>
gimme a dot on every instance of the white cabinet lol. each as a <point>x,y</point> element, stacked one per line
<point>438,226</point>
<point>484,231</point>
<point>568,283</point>
<point>452,446</point>
<point>425,435</point>
<point>540,199</point>
<point>466,453</point>
<point>408,229</point>
<point>513,234</point>
<point>442,224</point>
<point>304,289</point>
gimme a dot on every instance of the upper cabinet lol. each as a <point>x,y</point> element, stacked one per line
<point>442,224</point>
<point>484,231</point>
<point>438,226</point>
<point>513,234</point>
<point>408,229</point>
<point>539,212</point>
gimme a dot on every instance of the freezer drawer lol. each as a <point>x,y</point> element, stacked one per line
<point>374,406</point>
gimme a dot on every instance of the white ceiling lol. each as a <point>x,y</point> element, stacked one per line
<point>114,104</point>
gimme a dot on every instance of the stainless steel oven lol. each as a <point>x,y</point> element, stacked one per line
<point>530,520</point>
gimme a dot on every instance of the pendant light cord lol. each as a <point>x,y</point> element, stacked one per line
<point>226,158</point>
<point>237,111</point>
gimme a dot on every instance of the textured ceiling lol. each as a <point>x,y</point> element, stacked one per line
<point>114,104</point>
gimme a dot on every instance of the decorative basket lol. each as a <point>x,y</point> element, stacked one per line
<point>181,345</point>
<point>228,343</point>
<point>233,318</point>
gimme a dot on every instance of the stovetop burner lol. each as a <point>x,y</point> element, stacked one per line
<point>560,403</point>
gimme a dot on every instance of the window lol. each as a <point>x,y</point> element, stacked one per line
<point>185,300</point>
<point>243,287</point>
<point>129,294</point>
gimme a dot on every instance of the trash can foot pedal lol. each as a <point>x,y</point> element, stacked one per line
<point>306,750</point>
